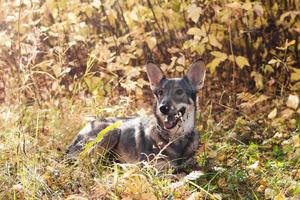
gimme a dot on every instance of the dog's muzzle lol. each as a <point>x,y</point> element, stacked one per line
<point>171,120</point>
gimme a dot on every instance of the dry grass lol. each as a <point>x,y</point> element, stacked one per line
<point>33,139</point>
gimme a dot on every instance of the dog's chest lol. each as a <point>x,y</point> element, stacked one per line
<point>140,139</point>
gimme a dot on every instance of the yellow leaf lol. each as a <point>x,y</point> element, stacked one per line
<point>290,43</point>
<point>258,78</point>
<point>219,54</point>
<point>214,42</point>
<point>287,113</point>
<point>133,15</point>
<point>196,31</point>
<point>111,17</point>
<point>293,101</point>
<point>151,41</point>
<point>286,45</point>
<point>234,5</point>
<point>179,69</point>
<point>268,68</point>
<point>231,58</point>
<point>93,83</point>
<point>194,12</point>
<point>76,197</point>
<point>272,114</point>
<point>214,64</point>
<point>247,6</point>
<point>200,49</point>
<point>280,196</point>
<point>273,61</point>
<point>181,60</point>
<point>295,76</point>
<point>241,61</point>
<point>258,9</point>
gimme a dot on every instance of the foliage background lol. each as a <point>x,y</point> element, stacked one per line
<point>64,59</point>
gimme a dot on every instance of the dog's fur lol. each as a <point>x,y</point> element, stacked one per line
<point>168,134</point>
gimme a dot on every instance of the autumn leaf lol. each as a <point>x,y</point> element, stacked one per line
<point>194,12</point>
<point>241,61</point>
<point>293,101</point>
<point>196,32</point>
<point>258,9</point>
<point>234,5</point>
<point>214,42</point>
<point>218,54</point>
<point>273,61</point>
<point>151,41</point>
<point>272,114</point>
<point>295,76</point>
<point>258,78</point>
<point>214,64</point>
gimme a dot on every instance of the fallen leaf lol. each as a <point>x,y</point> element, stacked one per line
<point>287,113</point>
<point>177,184</point>
<point>76,197</point>
<point>99,191</point>
<point>295,76</point>
<point>272,114</point>
<point>270,193</point>
<point>194,175</point>
<point>195,196</point>
<point>151,41</point>
<point>254,166</point>
<point>234,5</point>
<point>279,196</point>
<point>181,60</point>
<point>148,196</point>
<point>293,101</point>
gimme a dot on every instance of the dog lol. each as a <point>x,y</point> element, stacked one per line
<point>168,134</point>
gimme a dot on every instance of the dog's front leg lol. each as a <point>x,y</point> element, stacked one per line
<point>189,164</point>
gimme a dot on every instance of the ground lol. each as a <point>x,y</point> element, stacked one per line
<point>242,156</point>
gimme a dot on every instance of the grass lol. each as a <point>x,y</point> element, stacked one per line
<point>33,139</point>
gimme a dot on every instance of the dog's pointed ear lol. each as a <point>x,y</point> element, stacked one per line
<point>155,75</point>
<point>196,74</point>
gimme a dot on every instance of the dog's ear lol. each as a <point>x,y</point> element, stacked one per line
<point>196,74</point>
<point>155,75</point>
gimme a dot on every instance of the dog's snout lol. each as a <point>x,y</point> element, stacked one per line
<point>164,109</point>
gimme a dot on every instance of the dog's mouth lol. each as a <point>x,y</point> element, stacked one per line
<point>171,121</point>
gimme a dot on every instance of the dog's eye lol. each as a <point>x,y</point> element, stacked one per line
<point>179,92</point>
<point>160,93</point>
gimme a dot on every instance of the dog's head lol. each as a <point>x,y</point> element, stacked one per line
<point>176,97</point>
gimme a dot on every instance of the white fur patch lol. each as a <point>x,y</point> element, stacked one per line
<point>86,130</point>
<point>187,122</point>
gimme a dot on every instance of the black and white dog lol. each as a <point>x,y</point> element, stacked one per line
<point>168,135</point>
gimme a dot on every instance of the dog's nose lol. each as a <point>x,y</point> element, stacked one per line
<point>164,109</point>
